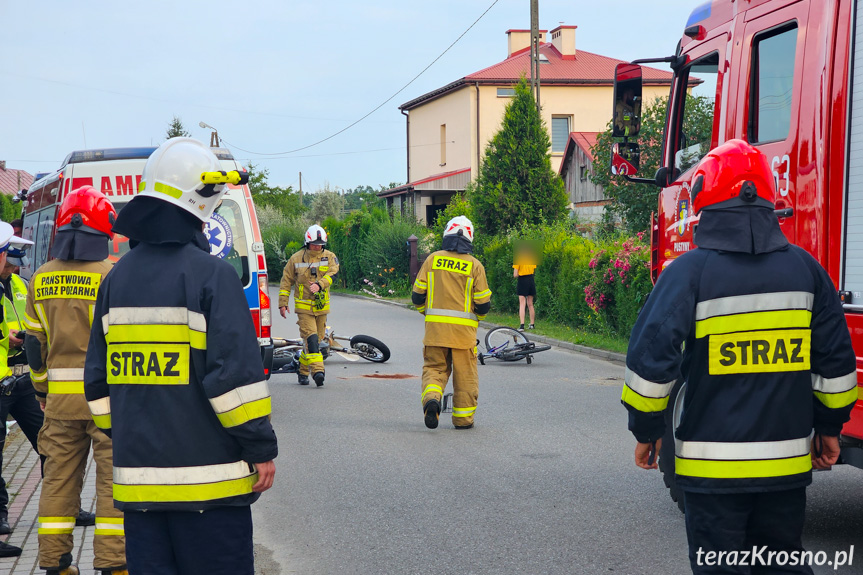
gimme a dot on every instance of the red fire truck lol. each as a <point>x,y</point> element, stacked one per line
<point>786,76</point>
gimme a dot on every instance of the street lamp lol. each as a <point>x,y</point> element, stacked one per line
<point>214,136</point>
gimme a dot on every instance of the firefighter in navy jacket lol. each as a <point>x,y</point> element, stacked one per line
<point>755,328</point>
<point>173,374</point>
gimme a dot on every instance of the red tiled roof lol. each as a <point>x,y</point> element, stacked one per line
<point>584,68</point>
<point>584,140</point>
<point>12,181</point>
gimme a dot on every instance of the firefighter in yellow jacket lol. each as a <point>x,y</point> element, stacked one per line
<point>310,272</point>
<point>452,292</point>
<point>58,317</point>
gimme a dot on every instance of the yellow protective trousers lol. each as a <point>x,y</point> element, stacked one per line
<point>438,364</point>
<point>311,325</point>
<point>66,446</point>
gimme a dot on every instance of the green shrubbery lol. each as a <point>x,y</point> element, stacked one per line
<point>9,210</point>
<point>373,251</point>
<point>371,247</point>
<point>599,285</point>
<point>282,236</point>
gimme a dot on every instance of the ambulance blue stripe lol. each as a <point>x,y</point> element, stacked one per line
<point>251,292</point>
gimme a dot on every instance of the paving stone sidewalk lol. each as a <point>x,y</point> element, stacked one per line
<point>23,477</point>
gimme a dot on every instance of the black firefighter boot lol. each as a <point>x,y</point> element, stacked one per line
<point>319,378</point>
<point>65,568</point>
<point>432,412</point>
<point>302,379</point>
<point>85,519</point>
<point>7,550</point>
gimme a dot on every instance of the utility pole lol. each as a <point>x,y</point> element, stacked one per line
<point>301,188</point>
<point>534,50</point>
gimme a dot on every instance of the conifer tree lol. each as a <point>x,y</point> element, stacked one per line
<point>516,184</point>
<point>176,129</point>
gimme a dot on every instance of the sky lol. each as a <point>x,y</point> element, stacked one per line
<point>271,75</point>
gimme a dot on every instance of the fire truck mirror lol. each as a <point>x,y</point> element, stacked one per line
<point>625,159</point>
<point>627,101</point>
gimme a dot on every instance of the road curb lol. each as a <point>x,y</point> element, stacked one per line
<point>592,351</point>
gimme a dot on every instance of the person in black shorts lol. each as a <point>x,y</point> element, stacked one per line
<point>523,269</point>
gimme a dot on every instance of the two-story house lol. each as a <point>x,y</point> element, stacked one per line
<point>448,128</point>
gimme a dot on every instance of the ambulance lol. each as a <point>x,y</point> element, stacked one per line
<point>233,229</point>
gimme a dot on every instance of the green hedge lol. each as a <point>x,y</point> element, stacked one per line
<point>8,210</point>
<point>371,247</point>
<point>598,285</point>
<point>372,250</point>
<point>570,270</point>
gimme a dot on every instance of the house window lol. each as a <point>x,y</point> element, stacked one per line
<point>506,92</point>
<point>583,173</point>
<point>443,144</point>
<point>772,83</point>
<point>559,133</point>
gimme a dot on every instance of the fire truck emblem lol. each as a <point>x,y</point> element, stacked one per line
<point>684,207</point>
<point>682,214</point>
<point>220,236</point>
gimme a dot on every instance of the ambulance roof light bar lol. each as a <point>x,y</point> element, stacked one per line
<point>106,154</point>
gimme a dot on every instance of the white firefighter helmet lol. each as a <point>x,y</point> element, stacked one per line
<point>316,235</point>
<point>173,175</point>
<point>459,224</point>
<point>10,242</point>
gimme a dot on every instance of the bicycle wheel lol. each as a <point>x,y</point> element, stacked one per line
<point>370,348</point>
<point>504,335</point>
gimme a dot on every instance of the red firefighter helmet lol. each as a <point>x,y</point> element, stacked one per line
<point>733,174</point>
<point>88,210</point>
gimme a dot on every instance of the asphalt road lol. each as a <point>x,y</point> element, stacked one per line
<point>544,483</point>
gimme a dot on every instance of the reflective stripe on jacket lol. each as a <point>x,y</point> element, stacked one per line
<point>14,308</point>
<point>767,357</point>
<point>174,375</point>
<point>60,301</point>
<point>303,269</point>
<point>453,283</point>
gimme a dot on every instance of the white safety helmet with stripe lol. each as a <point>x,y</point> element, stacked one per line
<point>11,243</point>
<point>316,235</point>
<point>459,224</point>
<point>173,174</point>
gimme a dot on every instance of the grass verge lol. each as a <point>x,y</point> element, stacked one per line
<point>543,327</point>
<point>564,333</point>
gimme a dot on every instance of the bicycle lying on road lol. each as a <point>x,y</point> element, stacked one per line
<point>286,356</point>
<point>508,344</point>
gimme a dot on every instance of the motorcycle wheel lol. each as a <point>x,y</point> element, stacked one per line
<point>370,348</point>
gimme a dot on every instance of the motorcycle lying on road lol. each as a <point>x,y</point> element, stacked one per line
<point>286,357</point>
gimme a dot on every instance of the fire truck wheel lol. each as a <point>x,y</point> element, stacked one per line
<point>666,453</point>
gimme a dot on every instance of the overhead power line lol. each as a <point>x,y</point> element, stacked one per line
<point>166,100</point>
<point>381,105</point>
<point>345,153</point>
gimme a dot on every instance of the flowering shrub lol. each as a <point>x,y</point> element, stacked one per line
<point>388,282</point>
<point>618,282</point>
<point>581,283</point>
